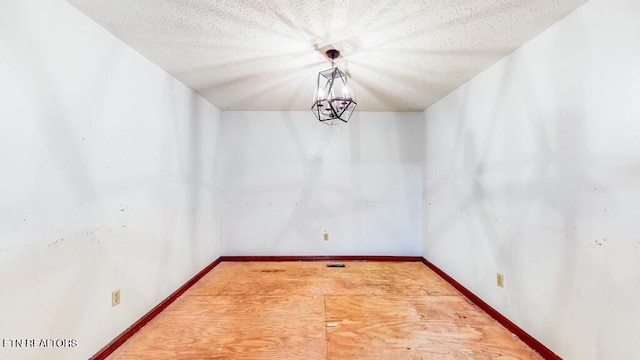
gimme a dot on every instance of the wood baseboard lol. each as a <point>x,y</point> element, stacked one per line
<point>120,339</point>
<point>324,258</point>
<point>515,329</point>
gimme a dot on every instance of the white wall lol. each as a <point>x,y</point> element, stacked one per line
<point>286,178</point>
<point>107,181</point>
<point>533,170</point>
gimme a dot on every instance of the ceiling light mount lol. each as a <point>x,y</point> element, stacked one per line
<point>332,54</point>
<point>333,102</point>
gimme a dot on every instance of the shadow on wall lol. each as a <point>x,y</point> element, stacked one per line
<point>56,239</point>
<point>304,181</point>
<point>548,189</point>
<point>196,135</point>
<point>312,181</point>
<point>294,178</point>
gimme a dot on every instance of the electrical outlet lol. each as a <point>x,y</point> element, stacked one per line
<point>326,237</point>
<point>500,280</point>
<point>115,298</point>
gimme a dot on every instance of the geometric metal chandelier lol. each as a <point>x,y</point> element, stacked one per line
<point>333,102</point>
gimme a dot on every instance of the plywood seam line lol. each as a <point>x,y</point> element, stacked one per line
<point>326,332</point>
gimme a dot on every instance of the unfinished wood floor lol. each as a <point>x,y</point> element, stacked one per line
<point>304,310</point>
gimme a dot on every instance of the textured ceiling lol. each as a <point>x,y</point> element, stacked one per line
<point>265,55</point>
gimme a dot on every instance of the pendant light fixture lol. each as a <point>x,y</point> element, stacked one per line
<point>333,102</point>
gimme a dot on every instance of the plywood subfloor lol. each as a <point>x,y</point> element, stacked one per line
<point>304,310</point>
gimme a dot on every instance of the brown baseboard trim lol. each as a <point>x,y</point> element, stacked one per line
<point>324,258</point>
<point>120,339</point>
<point>515,329</point>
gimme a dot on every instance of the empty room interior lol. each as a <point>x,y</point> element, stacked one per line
<point>179,180</point>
